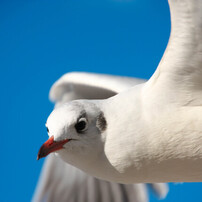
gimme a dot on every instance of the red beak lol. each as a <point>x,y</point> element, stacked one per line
<point>50,146</point>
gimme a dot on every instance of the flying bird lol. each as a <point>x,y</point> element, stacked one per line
<point>151,132</point>
<point>60,181</point>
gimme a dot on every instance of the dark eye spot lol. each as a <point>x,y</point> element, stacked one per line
<point>81,125</point>
<point>47,129</point>
<point>101,122</point>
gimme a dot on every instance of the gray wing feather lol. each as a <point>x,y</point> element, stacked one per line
<point>60,181</point>
<point>91,86</point>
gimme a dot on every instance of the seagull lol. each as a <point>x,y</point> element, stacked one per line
<point>149,133</point>
<point>60,181</point>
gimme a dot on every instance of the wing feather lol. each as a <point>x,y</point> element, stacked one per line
<point>90,86</point>
<point>62,182</point>
<point>181,65</point>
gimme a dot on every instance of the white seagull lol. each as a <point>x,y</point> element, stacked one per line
<point>151,132</point>
<point>60,181</point>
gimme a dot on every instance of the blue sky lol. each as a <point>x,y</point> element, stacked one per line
<point>42,39</point>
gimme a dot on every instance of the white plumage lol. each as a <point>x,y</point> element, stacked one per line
<point>151,132</point>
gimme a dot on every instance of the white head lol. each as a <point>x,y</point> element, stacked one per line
<point>76,129</point>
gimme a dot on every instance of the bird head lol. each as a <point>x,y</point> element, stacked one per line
<point>75,129</point>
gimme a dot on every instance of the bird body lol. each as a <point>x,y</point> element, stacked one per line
<point>151,132</point>
<point>162,142</point>
<point>157,143</point>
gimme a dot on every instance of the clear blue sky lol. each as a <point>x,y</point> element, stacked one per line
<point>42,39</point>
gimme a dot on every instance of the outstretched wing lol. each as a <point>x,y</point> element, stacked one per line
<point>90,86</point>
<point>60,181</point>
<point>178,76</point>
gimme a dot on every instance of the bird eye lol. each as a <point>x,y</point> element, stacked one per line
<point>47,129</point>
<point>81,125</point>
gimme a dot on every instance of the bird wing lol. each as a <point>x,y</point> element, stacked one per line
<point>60,181</point>
<point>178,76</point>
<point>90,86</point>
